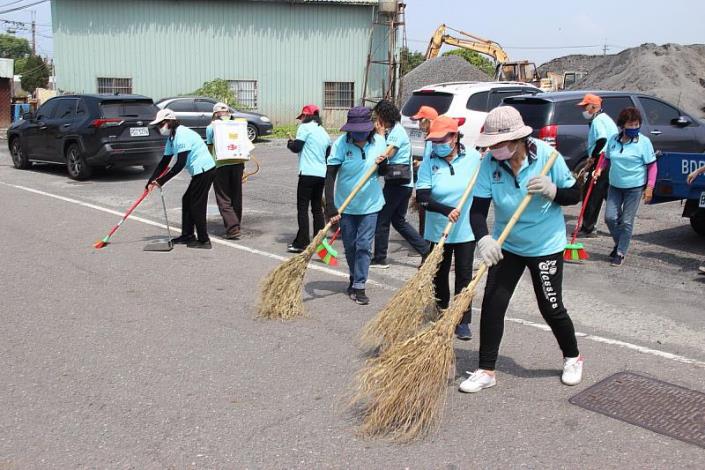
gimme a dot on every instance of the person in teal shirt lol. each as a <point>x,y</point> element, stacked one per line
<point>424,116</point>
<point>397,190</point>
<point>312,144</point>
<point>191,153</point>
<point>601,130</point>
<point>442,180</point>
<point>352,155</point>
<point>228,180</point>
<point>509,171</point>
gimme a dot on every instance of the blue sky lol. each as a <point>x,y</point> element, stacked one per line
<point>526,30</point>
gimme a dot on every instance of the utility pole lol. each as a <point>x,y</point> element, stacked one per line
<point>604,50</point>
<point>34,32</point>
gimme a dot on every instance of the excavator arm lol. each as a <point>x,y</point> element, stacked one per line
<point>473,43</point>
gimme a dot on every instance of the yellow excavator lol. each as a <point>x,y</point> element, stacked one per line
<point>518,71</point>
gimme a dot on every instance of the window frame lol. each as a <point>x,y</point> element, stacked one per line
<point>248,103</point>
<point>337,101</point>
<point>645,118</point>
<point>114,87</point>
<point>191,109</point>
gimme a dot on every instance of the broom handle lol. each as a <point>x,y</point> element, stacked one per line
<point>463,199</point>
<point>593,182</point>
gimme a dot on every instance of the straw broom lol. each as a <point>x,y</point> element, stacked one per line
<point>281,295</point>
<point>402,392</point>
<point>405,312</point>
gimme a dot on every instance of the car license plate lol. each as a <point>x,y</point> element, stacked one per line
<point>702,199</point>
<point>139,131</point>
<point>415,134</point>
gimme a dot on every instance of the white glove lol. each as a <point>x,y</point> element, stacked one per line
<point>542,185</point>
<point>490,251</point>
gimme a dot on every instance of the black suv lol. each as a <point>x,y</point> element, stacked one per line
<point>87,131</point>
<point>557,118</point>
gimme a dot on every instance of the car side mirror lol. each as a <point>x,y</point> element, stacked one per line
<point>681,121</point>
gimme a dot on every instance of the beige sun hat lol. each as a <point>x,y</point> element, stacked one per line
<point>501,125</point>
<point>220,107</point>
<point>163,115</point>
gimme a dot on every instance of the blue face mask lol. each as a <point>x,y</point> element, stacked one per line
<point>442,150</point>
<point>359,136</point>
<point>632,133</point>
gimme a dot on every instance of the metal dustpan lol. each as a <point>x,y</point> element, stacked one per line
<point>162,245</point>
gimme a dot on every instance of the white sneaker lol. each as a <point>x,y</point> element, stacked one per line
<point>572,370</point>
<point>477,381</point>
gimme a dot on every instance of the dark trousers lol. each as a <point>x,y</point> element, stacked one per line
<point>309,192</point>
<point>228,195</point>
<point>594,204</point>
<point>464,254</point>
<point>194,204</point>
<point>396,203</point>
<point>422,220</point>
<point>547,277</point>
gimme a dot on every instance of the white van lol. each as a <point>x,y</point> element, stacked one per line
<point>469,102</point>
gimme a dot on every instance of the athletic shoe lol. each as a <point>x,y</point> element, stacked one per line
<point>701,269</point>
<point>618,260</point>
<point>379,264</point>
<point>613,253</point>
<point>235,235</point>
<point>477,381</point>
<point>294,249</point>
<point>572,370</point>
<point>206,245</point>
<point>351,291</point>
<point>360,297</point>
<point>584,234</point>
<point>183,239</point>
<point>463,332</point>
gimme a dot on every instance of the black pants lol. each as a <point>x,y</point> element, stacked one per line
<point>464,254</point>
<point>194,204</point>
<point>547,277</point>
<point>309,192</point>
<point>228,195</point>
<point>396,203</point>
<point>594,204</point>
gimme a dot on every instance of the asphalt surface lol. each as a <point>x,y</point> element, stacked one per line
<point>118,358</point>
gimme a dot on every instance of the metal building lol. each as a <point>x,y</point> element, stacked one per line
<point>276,54</point>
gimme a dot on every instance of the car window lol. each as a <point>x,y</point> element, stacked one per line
<point>478,101</point>
<point>129,109</point>
<point>46,111</point>
<point>659,113</point>
<point>613,105</point>
<point>204,106</point>
<point>535,112</point>
<point>437,100</point>
<point>569,113</point>
<point>81,110</point>
<point>65,110</point>
<point>184,106</point>
<point>498,94</point>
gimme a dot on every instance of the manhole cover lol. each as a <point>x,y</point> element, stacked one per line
<point>648,403</point>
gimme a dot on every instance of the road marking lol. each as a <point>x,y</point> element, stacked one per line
<point>220,241</point>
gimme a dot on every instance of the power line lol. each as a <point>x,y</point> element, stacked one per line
<point>23,7</point>
<point>11,3</point>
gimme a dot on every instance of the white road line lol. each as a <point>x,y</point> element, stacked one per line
<point>540,326</point>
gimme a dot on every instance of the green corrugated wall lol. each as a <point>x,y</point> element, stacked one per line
<point>171,47</point>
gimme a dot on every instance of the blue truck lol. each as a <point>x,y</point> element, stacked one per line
<point>672,185</point>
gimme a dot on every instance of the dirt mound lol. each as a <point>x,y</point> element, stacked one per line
<point>575,63</point>
<point>439,70</point>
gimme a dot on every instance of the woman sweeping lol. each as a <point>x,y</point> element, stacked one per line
<point>191,153</point>
<point>631,160</point>
<point>312,143</point>
<point>508,171</point>
<point>425,116</point>
<point>352,155</point>
<point>228,180</point>
<point>443,177</point>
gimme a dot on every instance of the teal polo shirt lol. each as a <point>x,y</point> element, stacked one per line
<point>447,187</point>
<point>628,161</point>
<point>541,229</point>
<point>199,159</point>
<point>312,159</point>
<point>601,127</point>
<point>427,150</point>
<point>354,163</point>
<point>400,139</point>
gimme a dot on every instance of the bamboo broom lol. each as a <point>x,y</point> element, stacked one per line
<point>402,392</point>
<point>404,314</point>
<point>281,291</point>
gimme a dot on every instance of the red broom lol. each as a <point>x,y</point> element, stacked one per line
<point>575,252</point>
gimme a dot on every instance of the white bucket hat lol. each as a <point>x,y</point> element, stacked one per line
<point>218,107</point>
<point>501,125</point>
<point>163,115</point>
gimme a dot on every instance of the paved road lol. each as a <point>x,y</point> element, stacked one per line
<point>108,361</point>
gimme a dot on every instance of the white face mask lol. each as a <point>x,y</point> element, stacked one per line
<point>587,115</point>
<point>164,130</point>
<point>224,117</point>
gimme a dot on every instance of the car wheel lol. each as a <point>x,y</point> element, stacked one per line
<point>19,158</point>
<point>75,163</point>
<point>697,221</point>
<point>252,132</point>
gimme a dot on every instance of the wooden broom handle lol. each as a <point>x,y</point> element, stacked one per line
<point>463,199</point>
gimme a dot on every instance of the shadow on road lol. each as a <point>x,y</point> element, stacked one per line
<point>505,365</point>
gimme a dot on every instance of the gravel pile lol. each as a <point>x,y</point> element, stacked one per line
<point>575,63</point>
<point>441,69</point>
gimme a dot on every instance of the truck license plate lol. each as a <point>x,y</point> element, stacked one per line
<point>139,131</point>
<point>702,199</point>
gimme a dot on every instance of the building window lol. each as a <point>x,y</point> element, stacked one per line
<point>339,95</point>
<point>245,92</point>
<point>115,85</point>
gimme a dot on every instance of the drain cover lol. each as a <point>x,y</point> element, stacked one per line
<point>648,403</point>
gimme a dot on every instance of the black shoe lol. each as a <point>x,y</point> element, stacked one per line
<point>294,249</point>
<point>183,240</point>
<point>206,245</point>
<point>360,297</point>
<point>585,234</point>
<point>613,253</point>
<point>379,264</point>
<point>235,235</point>
<point>618,260</point>
<point>351,291</point>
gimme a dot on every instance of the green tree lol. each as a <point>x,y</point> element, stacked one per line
<point>20,65</point>
<point>12,47</point>
<point>410,60</point>
<point>220,90</point>
<point>475,59</point>
<point>36,74</point>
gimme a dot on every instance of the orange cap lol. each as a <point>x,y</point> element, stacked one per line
<point>425,112</point>
<point>441,127</point>
<point>591,99</point>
